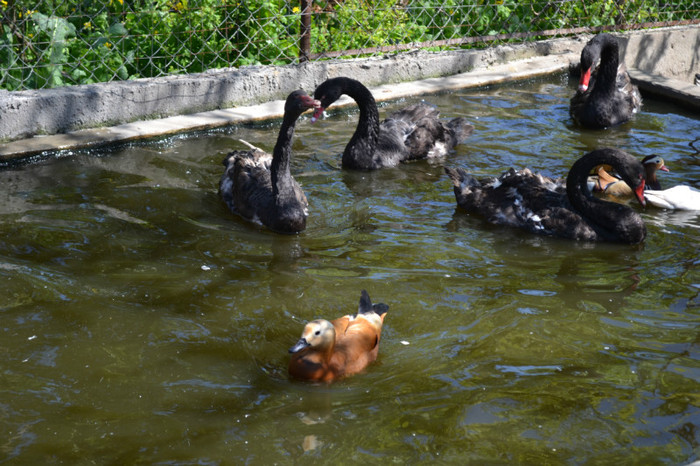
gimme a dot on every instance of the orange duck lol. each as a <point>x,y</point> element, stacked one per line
<point>610,185</point>
<point>328,351</point>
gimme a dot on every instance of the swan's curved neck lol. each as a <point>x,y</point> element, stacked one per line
<point>364,141</point>
<point>612,220</point>
<point>607,73</point>
<point>280,172</point>
<point>576,182</point>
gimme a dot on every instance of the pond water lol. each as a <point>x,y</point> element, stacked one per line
<point>143,323</point>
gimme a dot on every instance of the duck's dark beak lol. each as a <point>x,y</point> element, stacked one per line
<point>301,344</point>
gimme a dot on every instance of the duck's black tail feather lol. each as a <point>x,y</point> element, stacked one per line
<point>367,306</point>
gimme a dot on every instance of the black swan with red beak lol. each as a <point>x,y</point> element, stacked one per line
<point>606,96</point>
<point>415,132</point>
<point>259,186</point>
<point>553,207</point>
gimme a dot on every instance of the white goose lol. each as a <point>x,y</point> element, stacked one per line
<point>680,197</point>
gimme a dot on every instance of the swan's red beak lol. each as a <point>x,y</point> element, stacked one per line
<point>310,102</point>
<point>318,113</point>
<point>639,192</point>
<point>585,79</point>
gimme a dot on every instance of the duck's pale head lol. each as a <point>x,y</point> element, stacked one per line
<point>318,334</point>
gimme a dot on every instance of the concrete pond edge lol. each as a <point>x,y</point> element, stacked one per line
<point>661,62</point>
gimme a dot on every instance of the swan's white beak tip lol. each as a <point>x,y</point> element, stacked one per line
<point>318,113</point>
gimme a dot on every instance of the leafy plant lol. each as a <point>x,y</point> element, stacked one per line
<point>54,43</point>
<point>358,24</point>
<point>52,34</point>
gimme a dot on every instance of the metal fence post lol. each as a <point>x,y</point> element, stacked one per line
<point>305,31</point>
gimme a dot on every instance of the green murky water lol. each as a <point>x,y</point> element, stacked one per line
<point>143,323</point>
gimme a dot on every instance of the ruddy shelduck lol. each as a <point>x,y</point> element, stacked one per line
<point>328,351</point>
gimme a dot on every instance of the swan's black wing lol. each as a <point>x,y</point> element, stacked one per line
<point>246,188</point>
<point>410,133</point>
<point>416,132</point>
<point>245,185</point>
<point>391,144</point>
<point>457,130</point>
<point>428,139</point>
<point>524,200</point>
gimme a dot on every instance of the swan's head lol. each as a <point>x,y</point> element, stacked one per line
<point>318,335</point>
<point>590,56</point>
<point>328,92</point>
<point>298,102</point>
<point>635,177</point>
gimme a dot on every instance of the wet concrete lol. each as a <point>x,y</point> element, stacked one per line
<point>32,122</point>
<point>665,62</point>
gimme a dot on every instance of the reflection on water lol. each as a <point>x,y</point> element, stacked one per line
<point>142,322</point>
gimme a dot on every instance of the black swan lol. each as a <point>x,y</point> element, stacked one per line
<point>611,186</point>
<point>415,132</point>
<point>609,98</point>
<point>551,207</point>
<point>259,186</point>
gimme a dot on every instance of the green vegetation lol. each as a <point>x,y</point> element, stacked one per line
<point>54,43</point>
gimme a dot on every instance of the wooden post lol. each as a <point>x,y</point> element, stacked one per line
<point>305,31</point>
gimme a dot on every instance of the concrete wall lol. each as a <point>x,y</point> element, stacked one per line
<point>28,113</point>
<point>673,53</point>
<point>669,52</point>
<point>665,62</point>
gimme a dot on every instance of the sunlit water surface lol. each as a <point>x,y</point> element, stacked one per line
<point>142,322</point>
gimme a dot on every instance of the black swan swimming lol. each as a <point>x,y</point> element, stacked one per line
<point>609,97</point>
<point>415,132</point>
<point>551,207</point>
<point>611,186</point>
<point>259,186</point>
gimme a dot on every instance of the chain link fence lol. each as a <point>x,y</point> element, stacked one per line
<point>50,43</point>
